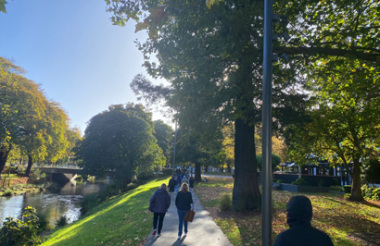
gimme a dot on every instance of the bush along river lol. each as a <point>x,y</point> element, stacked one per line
<point>65,201</point>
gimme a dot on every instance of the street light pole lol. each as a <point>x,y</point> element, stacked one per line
<point>175,143</point>
<point>266,204</point>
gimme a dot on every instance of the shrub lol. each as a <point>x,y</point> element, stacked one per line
<point>225,202</point>
<point>300,181</point>
<point>276,160</point>
<point>42,223</point>
<point>62,221</point>
<point>372,171</point>
<point>280,181</point>
<point>337,188</point>
<point>371,192</point>
<point>89,202</point>
<point>92,200</point>
<point>21,232</point>
<point>347,189</point>
<point>131,186</point>
<point>8,193</point>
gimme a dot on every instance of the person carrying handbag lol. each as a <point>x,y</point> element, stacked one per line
<point>183,202</point>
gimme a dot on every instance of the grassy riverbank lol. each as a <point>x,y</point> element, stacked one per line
<point>348,223</point>
<point>121,220</point>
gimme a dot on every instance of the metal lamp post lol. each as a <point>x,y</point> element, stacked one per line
<point>266,204</point>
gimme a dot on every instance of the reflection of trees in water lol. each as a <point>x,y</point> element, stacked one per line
<point>52,206</point>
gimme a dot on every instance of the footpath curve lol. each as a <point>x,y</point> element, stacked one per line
<point>203,231</point>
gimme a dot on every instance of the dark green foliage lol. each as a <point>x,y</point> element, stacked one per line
<point>225,203</point>
<point>89,202</point>
<point>167,171</point>
<point>62,221</point>
<point>20,232</point>
<point>164,134</point>
<point>276,160</point>
<point>337,188</point>
<point>347,189</point>
<point>42,223</point>
<point>120,140</point>
<point>300,181</point>
<point>372,172</point>
<point>371,192</point>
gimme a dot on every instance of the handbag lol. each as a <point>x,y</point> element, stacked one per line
<point>189,216</point>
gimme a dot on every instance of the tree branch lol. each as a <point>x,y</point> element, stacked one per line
<point>328,52</point>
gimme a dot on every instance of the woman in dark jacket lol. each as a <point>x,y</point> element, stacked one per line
<point>159,204</point>
<point>183,203</point>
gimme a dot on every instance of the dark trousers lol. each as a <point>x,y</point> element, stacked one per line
<point>160,218</point>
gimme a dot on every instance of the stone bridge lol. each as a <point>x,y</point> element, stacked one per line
<point>61,173</point>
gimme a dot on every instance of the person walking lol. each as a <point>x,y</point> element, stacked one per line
<point>159,204</point>
<point>191,181</point>
<point>183,202</point>
<point>172,184</point>
<point>299,214</point>
<point>184,179</point>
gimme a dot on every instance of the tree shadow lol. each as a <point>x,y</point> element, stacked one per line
<point>363,229</point>
<point>370,204</point>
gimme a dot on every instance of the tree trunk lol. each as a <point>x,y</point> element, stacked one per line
<point>356,192</point>
<point>246,193</point>
<point>198,171</point>
<point>30,163</point>
<point>4,151</point>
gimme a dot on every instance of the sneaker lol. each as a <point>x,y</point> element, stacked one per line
<point>179,237</point>
<point>154,233</point>
<point>159,234</point>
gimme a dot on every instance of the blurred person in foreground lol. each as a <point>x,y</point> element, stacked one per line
<point>299,214</point>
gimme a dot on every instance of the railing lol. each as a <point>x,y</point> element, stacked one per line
<point>68,166</point>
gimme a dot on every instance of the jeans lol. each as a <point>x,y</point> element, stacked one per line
<point>181,214</point>
<point>160,218</point>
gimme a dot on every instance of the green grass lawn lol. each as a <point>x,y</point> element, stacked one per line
<point>122,220</point>
<point>347,223</point>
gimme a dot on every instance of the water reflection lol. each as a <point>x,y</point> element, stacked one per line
<point>52,206</point>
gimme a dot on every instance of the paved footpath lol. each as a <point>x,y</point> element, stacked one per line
<point>201,232</point>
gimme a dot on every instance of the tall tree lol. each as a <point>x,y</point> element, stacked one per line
<point>344,126</point>
<point>164,134</point>
<point>120,141</point>
<point>212,57</point>
<point>37,126</point>
<point>323,29</point>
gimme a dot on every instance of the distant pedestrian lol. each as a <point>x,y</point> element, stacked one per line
<point>299,214</point>
<point>191,181</point>
<point>183,202</point>
<point>172,184</point>
<point>185,179</point>
<point>159,204</point>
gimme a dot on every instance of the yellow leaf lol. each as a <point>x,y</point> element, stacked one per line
<point>209,3</point>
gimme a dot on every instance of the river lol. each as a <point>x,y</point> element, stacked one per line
<point>66,202</point>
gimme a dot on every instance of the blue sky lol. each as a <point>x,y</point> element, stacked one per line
<point>74,52</point>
